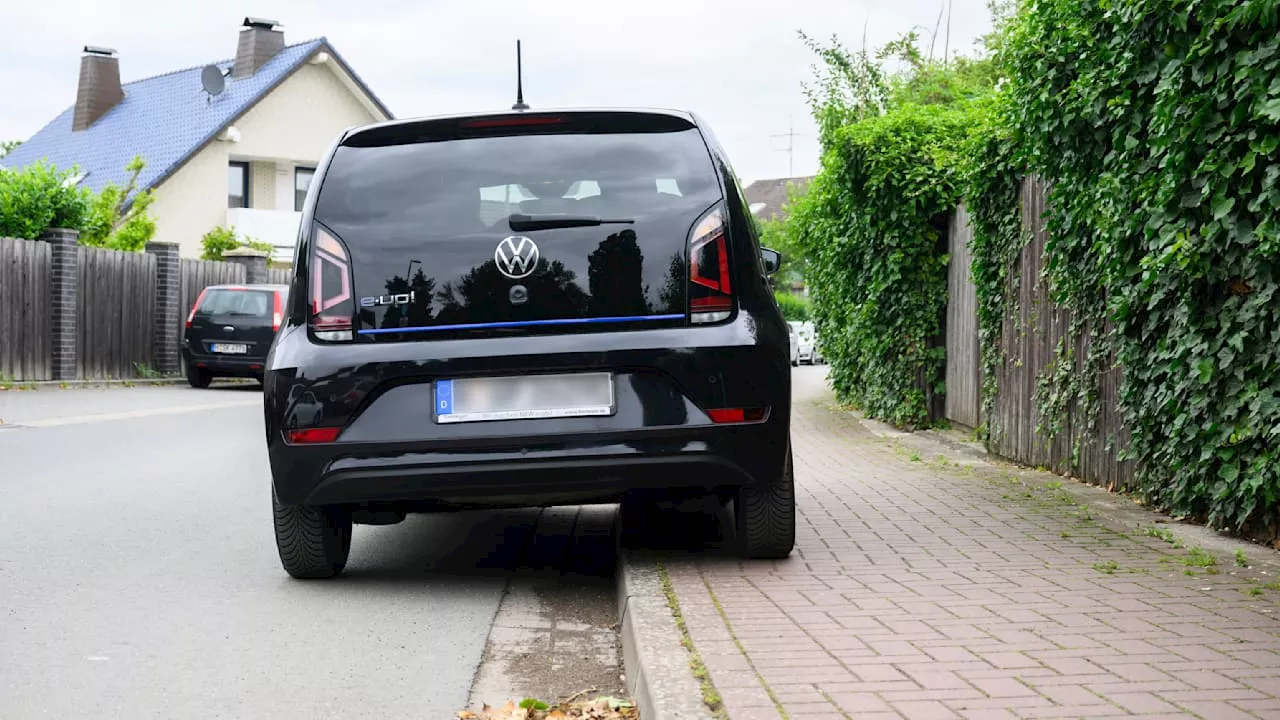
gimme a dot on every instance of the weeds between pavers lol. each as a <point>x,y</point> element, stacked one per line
<point>724,618</point>
<point>710,696</point>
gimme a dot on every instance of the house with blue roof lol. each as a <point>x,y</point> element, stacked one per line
<point>232,143</point>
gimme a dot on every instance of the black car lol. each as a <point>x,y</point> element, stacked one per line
<point>229,331</point>
<point>527,308</point>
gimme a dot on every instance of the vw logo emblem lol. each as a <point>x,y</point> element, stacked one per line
<point>516,257</point>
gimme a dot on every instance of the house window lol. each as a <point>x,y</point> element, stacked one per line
<point>238,185</point>
<point>301,183</point>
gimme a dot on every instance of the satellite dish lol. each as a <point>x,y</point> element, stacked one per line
<point>212,80</point>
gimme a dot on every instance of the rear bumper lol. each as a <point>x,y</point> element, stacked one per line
<point>660,436</point>
<point>230,365</point>
<point>520,471</point>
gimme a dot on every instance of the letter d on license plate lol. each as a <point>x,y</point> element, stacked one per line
<point>525,397</point>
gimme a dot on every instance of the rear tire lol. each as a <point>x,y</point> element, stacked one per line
<point>765,517</point>
<point>199,378</point>
<point>314,541</point>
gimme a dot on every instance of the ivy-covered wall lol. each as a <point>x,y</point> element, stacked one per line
<point>1156,124</point>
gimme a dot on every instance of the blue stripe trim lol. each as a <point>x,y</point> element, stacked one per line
<point>522,323</point>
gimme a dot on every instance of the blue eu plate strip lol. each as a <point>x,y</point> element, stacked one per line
<point>444,397</point>
<point>523,323</point>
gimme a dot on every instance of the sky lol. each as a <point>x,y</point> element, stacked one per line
<point>740,64</point>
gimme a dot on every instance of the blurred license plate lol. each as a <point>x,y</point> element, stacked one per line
<point>231,348</point>
<point>521,398</point>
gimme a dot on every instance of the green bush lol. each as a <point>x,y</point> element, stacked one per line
<point>872,224</point>
<point>1156,123</point>
<point>874,231</point>
<point>40,197</point>
<point>220,240</point>
<point>795,308</point>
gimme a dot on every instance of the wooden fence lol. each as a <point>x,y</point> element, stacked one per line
<point>964,359</point>
<point>117,321</point>
<point>1030,340</point>
<point>25,331</point>
<point>279,276</point>
<point>117,305</point>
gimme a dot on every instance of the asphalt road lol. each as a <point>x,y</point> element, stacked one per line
<point>139,576</point>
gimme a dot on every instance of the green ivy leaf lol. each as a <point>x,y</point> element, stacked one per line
<point>1229,472</point>
<point>1271,109</point>
<point>1204,368</point>
<point>1222,205</point>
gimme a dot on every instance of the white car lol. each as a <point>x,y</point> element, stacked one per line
<point>808,343</point>
<point>795,342</point>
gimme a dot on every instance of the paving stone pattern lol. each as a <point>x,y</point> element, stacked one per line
<point>923,590</point>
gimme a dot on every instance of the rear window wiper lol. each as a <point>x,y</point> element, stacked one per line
<point>520,222</point>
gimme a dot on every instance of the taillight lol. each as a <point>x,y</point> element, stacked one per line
<point>277,312</point>
<point>331,304</point>
<point>199,299</point>
<point>710,293</point>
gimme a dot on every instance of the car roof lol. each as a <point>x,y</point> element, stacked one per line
<point>403,122</point>
<point>247,286</point>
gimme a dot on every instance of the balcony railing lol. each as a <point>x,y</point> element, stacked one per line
<point>278,227</point>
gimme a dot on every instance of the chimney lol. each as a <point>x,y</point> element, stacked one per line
<point>259,42</point>
<point>99,89</point>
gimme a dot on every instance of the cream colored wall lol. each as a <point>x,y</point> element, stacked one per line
<point>299,119</point>
<point>193,200</point>
<point>295,123</point>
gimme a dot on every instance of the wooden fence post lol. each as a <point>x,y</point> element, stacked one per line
<point>168,310</point>
<point>64,277</point>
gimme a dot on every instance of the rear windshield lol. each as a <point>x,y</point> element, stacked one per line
<point>247,303</point>
<point>472,184</point>
<point>423,222</point>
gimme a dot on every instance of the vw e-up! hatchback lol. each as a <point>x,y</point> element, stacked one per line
<point>526,309</point>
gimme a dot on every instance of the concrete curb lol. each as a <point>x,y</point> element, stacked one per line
<point>655,662</point>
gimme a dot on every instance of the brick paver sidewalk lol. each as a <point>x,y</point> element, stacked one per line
<point>926,590</point>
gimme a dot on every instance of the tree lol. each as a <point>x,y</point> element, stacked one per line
<point>118,218</point>
<point>847,87</point>
<point>777,235</point>
<point>7,146</point>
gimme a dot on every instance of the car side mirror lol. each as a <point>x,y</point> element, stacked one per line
<point>772,260</point>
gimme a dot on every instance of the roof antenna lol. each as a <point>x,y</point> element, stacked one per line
<point>519,82</point>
